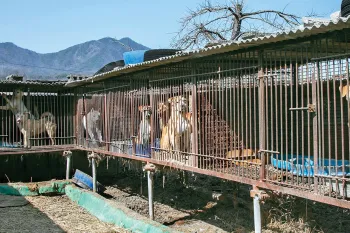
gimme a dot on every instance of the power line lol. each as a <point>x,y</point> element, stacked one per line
<point>40,67</point>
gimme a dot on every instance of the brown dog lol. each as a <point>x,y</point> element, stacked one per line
<point>31,127</point>
<point>163,113</point>
<point>179,127</point>
<point>344,92</point>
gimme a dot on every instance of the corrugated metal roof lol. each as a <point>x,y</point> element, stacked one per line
<point>34,82</point>
<point>299,32</point>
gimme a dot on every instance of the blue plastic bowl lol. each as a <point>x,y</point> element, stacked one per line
<point>85,181</point>
<point>304,165</point>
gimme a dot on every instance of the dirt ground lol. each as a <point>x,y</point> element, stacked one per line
<point>51,214</point>
<point>186,203</point>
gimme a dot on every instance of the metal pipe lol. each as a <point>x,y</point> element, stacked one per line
<point>94,186</point>
<point>257,214</point>
<point>150,194</point>
<point>68,166</point>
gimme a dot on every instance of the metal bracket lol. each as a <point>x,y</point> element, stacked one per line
<point>260,193</point>
<point>67,153</point>
<point>269,151</point>
<point>309,108</point>
<point>149,167</point>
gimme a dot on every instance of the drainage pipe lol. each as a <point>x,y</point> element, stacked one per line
<point>94,183</point>
<point>257,214</point>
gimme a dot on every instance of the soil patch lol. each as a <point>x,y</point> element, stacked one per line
<point>51,214</point>
<point>186,203</point>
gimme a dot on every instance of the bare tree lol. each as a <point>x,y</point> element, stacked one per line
<point>231,21</point>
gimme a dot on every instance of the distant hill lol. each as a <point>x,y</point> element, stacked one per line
<point>84,59</point>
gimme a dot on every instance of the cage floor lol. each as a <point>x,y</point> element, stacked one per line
<point>36,149</point>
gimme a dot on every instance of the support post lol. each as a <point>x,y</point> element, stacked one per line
<point>258,196</point>
<point>94,183</point>
<point>262,120</point>
<point>68,155</point>
<point>257,214</point>
<point>150,168</point>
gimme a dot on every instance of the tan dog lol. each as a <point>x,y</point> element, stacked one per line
<point>344,92</point>
<point>163,112</point>
<point>31,127</point>
<point>16,105</point>
<point>179,126</point>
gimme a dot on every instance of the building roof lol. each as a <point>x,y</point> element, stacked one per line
<point>33,83</point>
<point>299,32</point>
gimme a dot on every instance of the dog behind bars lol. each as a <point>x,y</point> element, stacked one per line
<point>32,127</point>
<point>144,132</point>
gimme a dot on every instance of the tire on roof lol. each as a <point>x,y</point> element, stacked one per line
<point>158,53</point>
<point>110,66</point>
<point>345,8</point>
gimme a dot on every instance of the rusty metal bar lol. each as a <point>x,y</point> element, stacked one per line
<point>262,123</point>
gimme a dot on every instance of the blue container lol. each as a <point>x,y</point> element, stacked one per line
<point>9,145</point>
<point>134,57</point>
<point>145,151</point>
<point>304,165</point>
<point>85,181</point>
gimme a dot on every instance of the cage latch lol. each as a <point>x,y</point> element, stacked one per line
<point>309,108</point>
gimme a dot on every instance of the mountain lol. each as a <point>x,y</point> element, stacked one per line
<point>83,59</point>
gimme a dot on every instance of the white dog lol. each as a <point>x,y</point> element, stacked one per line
<point>90,123</point>
<point>144,134</point>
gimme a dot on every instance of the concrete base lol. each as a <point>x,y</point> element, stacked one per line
<point>112,212</point>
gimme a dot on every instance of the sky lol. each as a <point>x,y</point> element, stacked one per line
<point>49,26</point>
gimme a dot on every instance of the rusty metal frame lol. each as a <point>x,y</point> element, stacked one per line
<point>265,185</point>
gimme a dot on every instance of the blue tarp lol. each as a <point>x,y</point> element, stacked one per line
<point>304,165</point>
<point>134,57</point>
<point>145,151</point>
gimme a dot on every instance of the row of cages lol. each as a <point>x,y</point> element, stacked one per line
<point>280,115</point>
<point>33,118</point>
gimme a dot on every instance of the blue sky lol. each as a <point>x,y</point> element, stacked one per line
<point>49,26</point>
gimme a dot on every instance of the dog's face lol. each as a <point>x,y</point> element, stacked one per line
<point>145,111</point>
<point>95,115</point>
<point>344,90</point>
<point>162,107</point>
<point>178,103</point>
<point>18,93</point>
<point>19,118</point>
